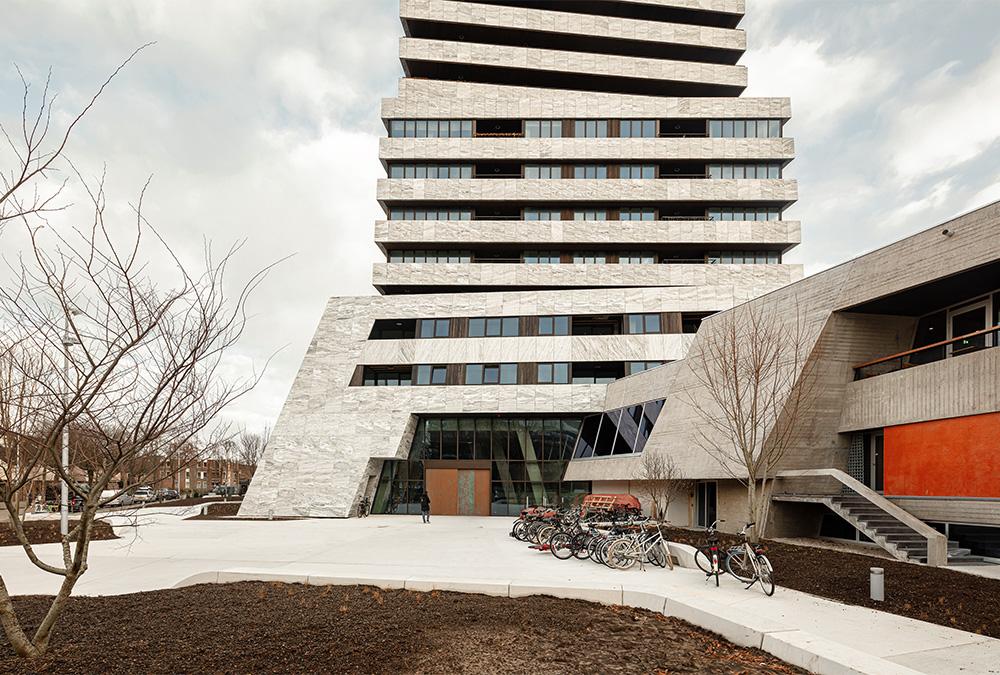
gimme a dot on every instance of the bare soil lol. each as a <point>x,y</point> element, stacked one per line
<point>934,594</point>
<point>218,511</point>
<point>47,532</point>
<point>269,627</point>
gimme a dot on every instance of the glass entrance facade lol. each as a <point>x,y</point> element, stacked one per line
<point>527,458</point>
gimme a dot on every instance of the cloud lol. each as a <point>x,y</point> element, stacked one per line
<point>824,89</point>
<point>950,118</point>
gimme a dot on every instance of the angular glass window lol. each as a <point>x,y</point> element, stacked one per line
<point>650,411</point>
<point>587,439</point>
<point>607,433</point>
<point>628,427</point>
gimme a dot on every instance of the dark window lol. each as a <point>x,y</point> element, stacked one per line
<point>387,377</point>
<point>640,366</point>
<point>628,427</point>
<point>597,325</point>
<point>449,438</point>
<point>930,329</point>
<point>691,322</point>
<point>466,438</point>
<point>597,373</point>
<point>391,329</point>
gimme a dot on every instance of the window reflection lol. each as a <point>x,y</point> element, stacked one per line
<point>527,457</point>
<point>621,431</point>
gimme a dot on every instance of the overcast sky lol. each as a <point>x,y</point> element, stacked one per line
<point>260,120</point>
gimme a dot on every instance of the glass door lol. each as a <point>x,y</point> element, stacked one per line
<point>874,460</point>
<point>966,320</point>
<point>705,503</point>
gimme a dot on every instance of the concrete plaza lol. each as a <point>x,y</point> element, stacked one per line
<point>475,554</point>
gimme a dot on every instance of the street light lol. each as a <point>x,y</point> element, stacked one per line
<point>68,340</point>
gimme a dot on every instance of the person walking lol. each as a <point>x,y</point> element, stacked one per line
<point>425,507</point>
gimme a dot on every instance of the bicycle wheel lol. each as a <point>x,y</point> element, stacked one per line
<point>740,566</point>
<point>622,555</point>
<point>518,531</point>
<point>703,559</point>
<point>657,555</point>
<point>544,534</point>
<point>581,545</point>
<point>561,545</point>
<point>766,577</point>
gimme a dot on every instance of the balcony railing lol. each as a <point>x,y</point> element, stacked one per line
<point>963,344</point>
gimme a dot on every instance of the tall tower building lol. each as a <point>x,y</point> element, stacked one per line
<point>571,187</point>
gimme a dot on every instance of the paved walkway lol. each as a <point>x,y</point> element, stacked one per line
<point>166,550</point>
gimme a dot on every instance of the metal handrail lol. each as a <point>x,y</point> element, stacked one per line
<point>937,543</point>
<point>925,348</point>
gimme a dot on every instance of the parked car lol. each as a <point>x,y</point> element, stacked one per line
<point>166,494</point>
<point>226,490</point>
<point>108,498</point>
<point>143,495</point>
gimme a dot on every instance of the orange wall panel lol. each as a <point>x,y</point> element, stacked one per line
<point>958,457</point>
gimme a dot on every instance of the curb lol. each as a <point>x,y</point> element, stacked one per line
<point>794,646</point>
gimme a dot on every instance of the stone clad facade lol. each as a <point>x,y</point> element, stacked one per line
<point>590,175</point>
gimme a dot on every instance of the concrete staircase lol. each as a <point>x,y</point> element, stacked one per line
<point>899,532</point>
<point>898,539</point>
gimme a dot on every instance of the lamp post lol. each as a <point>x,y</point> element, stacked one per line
<point>68,340</point>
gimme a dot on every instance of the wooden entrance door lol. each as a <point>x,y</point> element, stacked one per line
<point>458,492</point>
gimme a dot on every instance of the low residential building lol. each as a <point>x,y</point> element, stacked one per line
<point>904,424</point>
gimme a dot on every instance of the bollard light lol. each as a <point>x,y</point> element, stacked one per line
<point>877,584</point>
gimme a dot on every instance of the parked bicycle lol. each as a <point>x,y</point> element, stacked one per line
<point>748,563</point>
<point>708,556</point>
<point>364,507</point>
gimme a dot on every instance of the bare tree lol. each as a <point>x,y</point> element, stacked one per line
<point>751,363</point>
<point>89,340</point>
<point>662,481</point>
<point>251,448</point>
<point>36,154</point>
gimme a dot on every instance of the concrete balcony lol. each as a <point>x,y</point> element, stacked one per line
<point>557,24</point>
<point>614,191</point>
<point>954,387</point>
<point>442,59</point>
<point>617,150</point>
<point>442,99</point>
<point>429,275</point>
<point>785,233</point>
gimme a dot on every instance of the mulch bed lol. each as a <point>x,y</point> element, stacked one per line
<point>47,532</point>
<point>935,594</point>
<point>270,627</point>
<point>218,511</point>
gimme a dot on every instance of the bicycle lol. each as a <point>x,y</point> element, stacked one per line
<point>707,556</point>
<point>363,508</point>
<point>747,563</point>
<point>640,547</point>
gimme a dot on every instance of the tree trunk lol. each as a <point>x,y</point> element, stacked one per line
<point>12,628</point>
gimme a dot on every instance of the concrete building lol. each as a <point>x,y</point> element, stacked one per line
<point>900,443</point>
<point>571,187</point>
